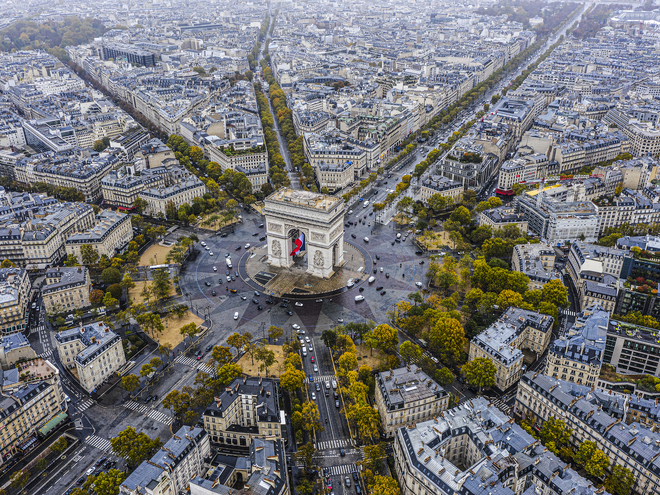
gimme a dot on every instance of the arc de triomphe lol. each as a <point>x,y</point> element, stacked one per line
<point>320,217</point>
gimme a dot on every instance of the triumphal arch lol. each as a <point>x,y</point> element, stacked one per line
<point>318,219</point>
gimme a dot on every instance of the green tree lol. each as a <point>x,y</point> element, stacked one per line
<point>146,370</point>
<point>150,322</point>
<point>58,446</point>
<point>162,284</point>
<point>305,455</point>
<point>134,447</point>
<point>409,352</point>
<point>71,260</point>
<point>178,402</point>
<point>108,483</point>
<point>555,434</point>
<point>189,330</point>
<point>264,356</point>
<point>444,377</point>
<point>19,480</point>
<point>88,254</point>
<point>130,383</point>
<point>111,276</point>
<point>109,301</point>
<point>386,337</point>
<point>41,464</point>
<point>329,338</point>
<point>620,481</point>
<point>274,332</point>
<point>480,372</point>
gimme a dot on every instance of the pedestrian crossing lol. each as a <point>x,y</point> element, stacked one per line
<point>46,354</point>
<point>332,444</point>
<point>193,363</point>
<point>37,329</point>
<point>147,411</point>
<point>567,312</point>
<point>501,405</point>
<point>99,443</point>
<point>344,469</point>
<point>324,378</point>
<point>85,404</point>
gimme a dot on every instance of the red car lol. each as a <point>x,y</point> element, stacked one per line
<point>312,359</point>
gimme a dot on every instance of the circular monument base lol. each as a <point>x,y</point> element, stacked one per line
<point>295,282</point>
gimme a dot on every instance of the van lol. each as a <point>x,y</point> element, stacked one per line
<point>304,351</point>
<point>371,279</point>
<point>334,384</point>
<point>327,385</point>
<point>359,298</point>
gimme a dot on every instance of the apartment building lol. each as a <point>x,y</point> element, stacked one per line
<point>475,449</point>
<point>111,233</point>
<point>171,469</point>
<point>93,350</point>
<point>537,261</point>
<point>247,409</point>
<point>334,176</point>
<point>66,289</point>
<point>501,343</point>
<point>633,446</point>
<point>577,356</point>
<point>437,184</point>
<point>182,193</point>
<point>594,272</point>
<point>121,188</point>
<point>13,348</point>
<point>330,148</point>
<point>15,287</point>
<point>28,406</point>
<point>468,163</point>
<point>247,153</point>
<point>263,470</point>
<point>503,216</point>
<point>407,396</point>
<point>632,349</point>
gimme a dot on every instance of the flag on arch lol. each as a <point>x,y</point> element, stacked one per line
<point>299,245</point>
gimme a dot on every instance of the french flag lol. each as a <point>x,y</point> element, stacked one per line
<point>300,245</point>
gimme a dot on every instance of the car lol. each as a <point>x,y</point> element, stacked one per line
<point>340,320</point>
<point>418,284</point>
<point>227,255</point>
<point>148,399</point>
<point>211,253</point>
<point>213,293</point>
<point>233,291</point>
<point>290,313</point>
<point>421,262</point>
<point>357,489</point>
<point>348,482</point>
<point>262,238</point>
<point>226,272</point>
<point>317,386</point>
<point>270,301</point>
<point>203,243</point>
<point>306,338</point>
<point>329,485</point>
<point>80,481</point>
<point>387,275</point>
<point>342,452</point>
<point>311,378</point>
<point>261,225</point>
<point>377,257</point>
<point>101,461</point>
<point>299,304</point>
<point>238,248</point>
<point>336,395</point>
<point>313,396</point>
<point>209,347</point>
<point>208,284</point>
<point>247,246</point>
<point>233,278</point>
<point>383,292</point>
<point>337,404</point>
<point>419,252</point>
<point>350,211</point>
<point>200,355</point>
<point>256,293</point>
<point>228,278</point>
<point>353,236</point>
<point>207,248</point>
<point>375,270</point>
<point>356,476</point>
<point>361,289</point>
<point>243,298</point>
<point>260,307</point>
<point>255,234</point>
<point>316,369</point>
<point>255,301</point>
<point>295,326</point>
<point>319,300</point>
<point>312,358</point>
<point>67,398</point>
<point>224,234</point>
<point>365,216</point>
<point>220,281</point>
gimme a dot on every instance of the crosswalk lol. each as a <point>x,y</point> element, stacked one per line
<point>567,312</point>
<point>332,444</point>
<point>501,405</point>
<point>85,404</point>
<point>324,378</point>
<point>193,363</point>
<point>46,354</point>
<point>37,329</point>
<point>147,411</point>
<point>99,443</point>
<point>344,469</point>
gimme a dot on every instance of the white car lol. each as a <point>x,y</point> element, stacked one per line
<point>299,304</point>
<point>203,244</point>
<point>306,339</point>
<point>350,211</point>
<point>215,269</point>
<point>316,369</point>
<point>310,347</point>
<point>418,284</point>
<point>211,253</point>
<point>247,246</point>
<point>207,248</point>
<point>295,326</point>
<point>228,278</point>
<point>313,395</point>
<point>381,269</point>
<point>236,315</point>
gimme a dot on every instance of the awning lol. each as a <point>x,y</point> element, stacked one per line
<point>53,423</point>
<point>27,444</point>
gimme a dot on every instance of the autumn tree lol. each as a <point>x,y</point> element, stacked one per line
<point>130,383</point>
<point>178,402</point>
<point>480,373</point>
<point>292,379</point>
<point>620,481</point>
<point>410,352</point>
<point>384,485</point>
<point>108,483</point>
<point>311,417</point>
<point>264,356</point>
<point>448,337</point>
<point>134,447</point>
<point>555,434</point>
<point>274,332</point>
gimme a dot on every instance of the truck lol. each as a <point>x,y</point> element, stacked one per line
<point>366,204</point>
<point>228,261</point>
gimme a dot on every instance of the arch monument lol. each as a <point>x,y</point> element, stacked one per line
<point>290,213</point>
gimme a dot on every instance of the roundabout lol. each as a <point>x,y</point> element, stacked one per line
<point>253,294</point>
